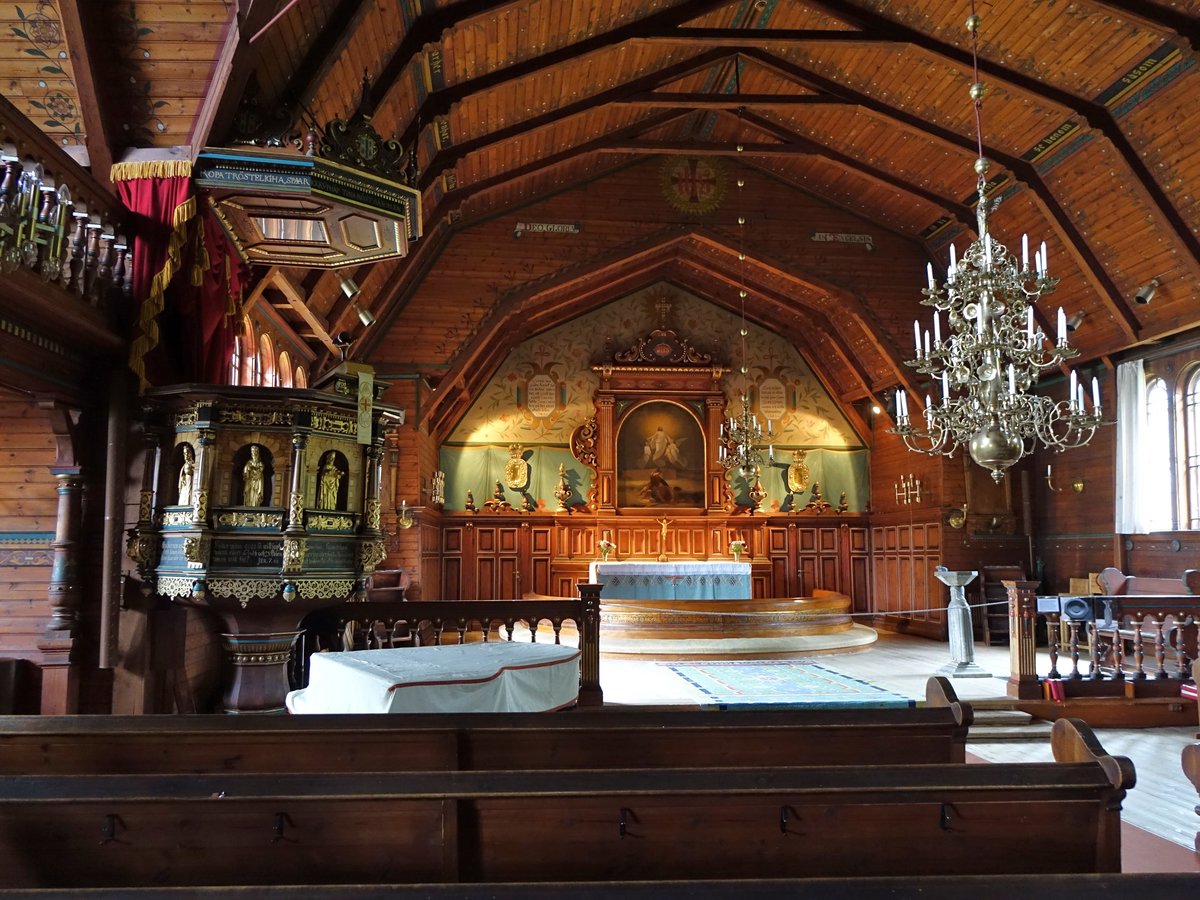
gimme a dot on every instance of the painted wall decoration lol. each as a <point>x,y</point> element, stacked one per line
<point>52,98</point>
<point>660,457</point>
<point>546,386</point>
<point>692,184</point>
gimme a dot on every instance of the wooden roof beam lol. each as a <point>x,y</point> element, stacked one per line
<point>439,102</point>
<point>960,211</point>
<point>95,122</point>
<point>323,52</point>
<point>655,100</point>
<point>457,196</point>
<point>448,156</point>
<point>1073,241</point>
<point>1096,115</point>
<point>295,298</point>
<point>1156,17</point>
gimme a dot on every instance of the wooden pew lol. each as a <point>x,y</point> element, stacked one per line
<point>1143,886</point>
<point>583,825</point>
<point>635,738</point>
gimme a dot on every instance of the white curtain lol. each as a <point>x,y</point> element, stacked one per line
<point>1131,421</point>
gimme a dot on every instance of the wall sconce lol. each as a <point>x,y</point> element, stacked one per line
<point>1077,484</point>
<point>1075,321</point>
<point>406,519</point>
<point>349,288</point>
<point>957,517</point>
<point>908,490</point>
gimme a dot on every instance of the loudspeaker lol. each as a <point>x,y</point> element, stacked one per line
<point>1079,609</point>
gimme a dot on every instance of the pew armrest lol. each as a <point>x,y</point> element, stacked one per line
<point>940,694</point>
<point>1073,741</point>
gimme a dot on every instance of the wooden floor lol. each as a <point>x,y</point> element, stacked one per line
<point>1160,809</point>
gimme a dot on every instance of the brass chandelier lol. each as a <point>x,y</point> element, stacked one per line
<point>993,350</point>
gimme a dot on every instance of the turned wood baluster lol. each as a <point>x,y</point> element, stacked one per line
<point>1118,651</point>
<point>8,182</point>
<point>557,623</point>
<point>1075,673</point>
<point>1053,631</point>
<point>91,255</point>
<point>121,251</point>
<point>1093,667</point>
<point>1160,654</point>
<point>72,273</point>
<point>103,278</point>
<point>45,220</point>
<point>1139,653</point>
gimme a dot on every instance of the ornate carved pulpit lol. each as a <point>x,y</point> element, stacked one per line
<point>262,504</point>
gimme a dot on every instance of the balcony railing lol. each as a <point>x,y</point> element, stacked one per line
<point>56,219</point>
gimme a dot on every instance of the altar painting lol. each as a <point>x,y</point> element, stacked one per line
<point>660,458</point>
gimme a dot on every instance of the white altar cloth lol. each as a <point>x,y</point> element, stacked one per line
<point>699,580</point>
<point>499,676</point>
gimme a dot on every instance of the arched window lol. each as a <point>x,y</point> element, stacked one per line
<point>285,369</point>
<point>249,354</point>
<point>300,377</point>
<point>266,361</point>
<point>1156,490</point>
<point>1191,449</point>
<point>235,361</point>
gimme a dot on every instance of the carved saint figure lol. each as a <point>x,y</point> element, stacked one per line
<point>253,481</point>
<point>663,523</point>
<point>187,473</point>
<point>330,478</point>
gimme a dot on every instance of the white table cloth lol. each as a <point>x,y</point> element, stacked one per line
<point>494,677</point>
<point>700,580</point>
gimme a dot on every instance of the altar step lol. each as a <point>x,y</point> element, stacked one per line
<point>991,725</point>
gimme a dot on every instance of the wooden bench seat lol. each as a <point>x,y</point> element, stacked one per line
<point>80,745</point>
<point>582,825</point>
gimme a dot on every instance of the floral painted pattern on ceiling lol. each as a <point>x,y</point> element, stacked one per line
<point>545,388</point>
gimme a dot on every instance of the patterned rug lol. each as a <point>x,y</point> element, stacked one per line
<point>779,683</point>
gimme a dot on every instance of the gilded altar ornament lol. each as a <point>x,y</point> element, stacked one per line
<point>797,473</point>
<point>370,555</point>
<point>816,503</point>
<point>144,550</point>
<point>437,490</point>
<point>232,519</point>
<point>253,479</point>
<point>469,505</point>
<point>196,550</point>
<point>527,504</point>
<point>296,510</point>
<point>662,540</point>
<point>757,492</point>
<point>294,551</point>
<point>563,492</point>
<point>145,506</point>
<point>375,514</point>
<point>200,508</point>
<point>843,504</point>
<point>516,470</point>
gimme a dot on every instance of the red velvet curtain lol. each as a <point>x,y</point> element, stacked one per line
<point>185,326</point>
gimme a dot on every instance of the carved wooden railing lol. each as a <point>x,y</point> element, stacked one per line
<point>1139,646</point>
<point>56,219</point>
<point>390,623</point>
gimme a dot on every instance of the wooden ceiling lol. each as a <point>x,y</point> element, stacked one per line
<point>512,105</point>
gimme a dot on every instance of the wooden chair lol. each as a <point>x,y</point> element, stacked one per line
<point>991,590</point>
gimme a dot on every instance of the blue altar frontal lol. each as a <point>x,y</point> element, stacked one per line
<point>672,580</point>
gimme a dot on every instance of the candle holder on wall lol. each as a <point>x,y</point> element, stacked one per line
<point>908,490</point>
<point>1077,483</point>
<point>405,519</point>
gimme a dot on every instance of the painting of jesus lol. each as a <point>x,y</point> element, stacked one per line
<point>660,457</point>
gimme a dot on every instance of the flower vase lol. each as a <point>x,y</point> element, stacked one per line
<point>737,555</point>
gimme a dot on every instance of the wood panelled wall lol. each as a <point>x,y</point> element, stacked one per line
<point>493,556</point>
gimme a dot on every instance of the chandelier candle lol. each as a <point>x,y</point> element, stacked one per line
<point>994,350</point>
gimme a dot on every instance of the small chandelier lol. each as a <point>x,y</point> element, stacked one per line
<point>994,350</point>
<point>741,436</point>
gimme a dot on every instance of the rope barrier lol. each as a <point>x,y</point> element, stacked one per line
<point>751,613</point>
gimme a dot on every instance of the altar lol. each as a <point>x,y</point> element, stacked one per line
<point>687,580</point>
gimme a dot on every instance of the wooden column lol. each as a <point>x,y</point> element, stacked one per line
<point>60,677</point>
<point>606,465</point>
<point>1023,682</point>
<point>718,482</point>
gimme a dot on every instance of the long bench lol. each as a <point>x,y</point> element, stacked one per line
<point>593,824</point>
<point>609,738</point>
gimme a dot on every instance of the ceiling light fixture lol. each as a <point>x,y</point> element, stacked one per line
<point>349,288</point>
<point>993,351</point>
